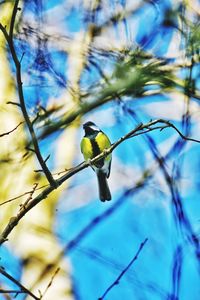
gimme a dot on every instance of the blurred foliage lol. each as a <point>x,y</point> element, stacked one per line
<point>104,61</point>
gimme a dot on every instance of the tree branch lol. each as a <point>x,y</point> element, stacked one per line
<point>124,271</point>
<point>140,129</point>
<point>94,223</point>
<point>12,22</point>
<point>23,288</point>
<point>22,195</point>
<point>9,39</point>
<point>8,132</point>
<point>50,283</point>
<point>2,291</point>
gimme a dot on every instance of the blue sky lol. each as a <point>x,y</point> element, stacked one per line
<point>101,254</point>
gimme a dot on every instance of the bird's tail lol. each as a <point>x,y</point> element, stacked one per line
<point>104,191</point>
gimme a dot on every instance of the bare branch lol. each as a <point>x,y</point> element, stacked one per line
<point>30,196</point>
<point>23,288</point>
<point>30,149</point>
<point>13,103</point>
<point>2,291</point>
<point>124,271</point>
<point>140,129</point>
<point>9,39</point>
<point>12,23</point>
<point>186,138</point>
<point>47,158</point>
<point>50,282</point>
<point>24,194</point>
<point>7,133</point>
<point>94,222</point>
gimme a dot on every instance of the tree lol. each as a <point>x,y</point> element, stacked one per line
<point>89,62</point>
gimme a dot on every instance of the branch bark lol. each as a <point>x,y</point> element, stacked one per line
<point>140,129</point>
<point>8,132</point>
<point>23,288</point>
<point>9,39</point>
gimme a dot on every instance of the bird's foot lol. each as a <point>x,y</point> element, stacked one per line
<point>89,162</point>
<point>106,151</point>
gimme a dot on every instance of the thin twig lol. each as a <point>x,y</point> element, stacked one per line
<point>140,129</point>
<point>147,126</point>
<point>7,133</point>
<point>2,291</point>
<point>61,172</point>
<point>30,196</point>
<point>117,280</point>
<point>22,195</point>
<point>97,220</point>
<point>50,282</point>
<point>13,103</point>
<point>94,223</point>
<point>23,288</point>
<point>9,39</point>
<point>186,138</point>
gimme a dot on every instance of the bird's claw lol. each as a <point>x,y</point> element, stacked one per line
<point>105,151</point>
<point>89,162</point>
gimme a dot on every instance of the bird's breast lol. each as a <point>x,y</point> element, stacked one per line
<point>93,146</point>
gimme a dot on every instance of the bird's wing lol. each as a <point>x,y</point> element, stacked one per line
<point>103,141</point>
<point>86,148</point>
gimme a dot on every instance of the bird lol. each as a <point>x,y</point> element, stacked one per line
<point>94,142</point>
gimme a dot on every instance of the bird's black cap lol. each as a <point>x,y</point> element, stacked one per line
<point>88,124</point>
<point>90,128</point>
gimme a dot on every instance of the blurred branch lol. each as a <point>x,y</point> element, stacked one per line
<point>177,271</point>
<point>118,16</point>
<point>140,129</point>
<point>116,282</point>
<point>23,289</point>
<point>9,39</point>
<point>132,76</point>
<point>13,103</point>
<point>180,215</point>
<point>71,115</point>
<point>50,282</point>
<point>96,221</point>
<point>7,133</point>
<point>125,86</point>
<point>181,218</point>
<point>2,291</point>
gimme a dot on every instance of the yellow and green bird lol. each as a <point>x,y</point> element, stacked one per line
<point>94,142</point>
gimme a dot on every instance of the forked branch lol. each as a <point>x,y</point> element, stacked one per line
<point>140,129</point>
<point>15,281</point>
<point>9,38</point>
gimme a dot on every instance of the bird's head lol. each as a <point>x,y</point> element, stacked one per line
<point>90,128</point>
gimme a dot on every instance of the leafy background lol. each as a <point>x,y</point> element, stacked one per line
<point>117,63</point>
